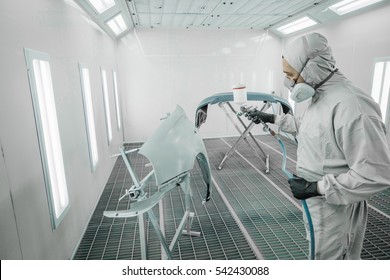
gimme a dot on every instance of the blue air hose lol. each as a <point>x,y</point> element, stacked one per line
<point>304,204</point>
<point>290,175</point>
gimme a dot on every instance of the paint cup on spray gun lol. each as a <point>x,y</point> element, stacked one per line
<point>239,94</point>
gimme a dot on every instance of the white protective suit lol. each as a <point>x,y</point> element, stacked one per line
<point>341,145</point>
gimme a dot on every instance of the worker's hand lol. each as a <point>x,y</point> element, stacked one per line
<point>301,188</point>
<point>256,116</point>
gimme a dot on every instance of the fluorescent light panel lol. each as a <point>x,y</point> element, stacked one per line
<point>106,106</point>
<point>299,24</point>
<point>377,82</point>
<point>117,24</point>
<point>89,117</point>
<point>348,6</point>
<point>118,114</point>
<point>51,137</point>
<point>381,85</point>
<point>385,91</point>
<point>102,5</point>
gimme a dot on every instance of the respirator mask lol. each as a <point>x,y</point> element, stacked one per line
<point>302,91</point>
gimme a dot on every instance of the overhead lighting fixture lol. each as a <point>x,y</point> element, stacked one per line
<point>102,5</point>
<point>348,6</point>
<point>294,26</point>
<point>117,24</point>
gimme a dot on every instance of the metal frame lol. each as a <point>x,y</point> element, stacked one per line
<point>171,151</point>
<point>243,136</point>
<point>144,204</point>
<point>224,99</point>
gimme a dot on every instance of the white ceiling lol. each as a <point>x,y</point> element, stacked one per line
<point>215,13</point>
<point>255,14</point>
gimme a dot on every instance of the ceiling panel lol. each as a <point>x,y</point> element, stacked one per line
<point>255,14</point>
<point>216,13</point>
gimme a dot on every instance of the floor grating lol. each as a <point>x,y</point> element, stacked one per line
<point>262,204</point>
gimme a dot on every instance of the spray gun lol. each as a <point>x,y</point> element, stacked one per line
<point>249,110</point>
<point>245,110</point>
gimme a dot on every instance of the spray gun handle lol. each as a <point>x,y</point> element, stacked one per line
<point>245,109</point>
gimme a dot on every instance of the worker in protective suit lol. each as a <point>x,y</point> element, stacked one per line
<point>343,157</point>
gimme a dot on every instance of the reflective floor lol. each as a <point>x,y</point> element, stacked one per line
<point>252,215</point>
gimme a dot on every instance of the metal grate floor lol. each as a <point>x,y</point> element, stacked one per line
<point>377,238</point>
<point>107,238</point>
<point>252,215</point>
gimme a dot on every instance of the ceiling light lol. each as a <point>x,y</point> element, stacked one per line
<point>348,6</point>
<point>102,5</point>
<point>117,24</point>
<point>296,25</point>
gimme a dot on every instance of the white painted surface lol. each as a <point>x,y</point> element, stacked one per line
<point>157,69</point>
<point>61,30</point>
<point>166,67</point>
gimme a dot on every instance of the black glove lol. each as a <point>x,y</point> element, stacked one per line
<point>256,116</point>
<point>301,188</point>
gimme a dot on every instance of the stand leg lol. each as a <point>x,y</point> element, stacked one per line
<point>164,255</point>
<point>142,236</point>
<point>233,148</point>
<point>264,158</point>
<point>160,235</point>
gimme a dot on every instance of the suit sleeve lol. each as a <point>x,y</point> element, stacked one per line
<point>288,123</point>
<point>363,142</point>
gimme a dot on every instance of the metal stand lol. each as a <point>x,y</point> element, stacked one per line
<point>144,204</point>
<point>264,158</point>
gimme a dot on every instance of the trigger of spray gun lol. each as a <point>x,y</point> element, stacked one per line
<point>245,109</point>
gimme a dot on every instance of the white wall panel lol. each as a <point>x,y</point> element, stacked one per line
<point>169,67</point>
<point>9,241</point>
<point>157,70</point>
<point>62,30</point>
